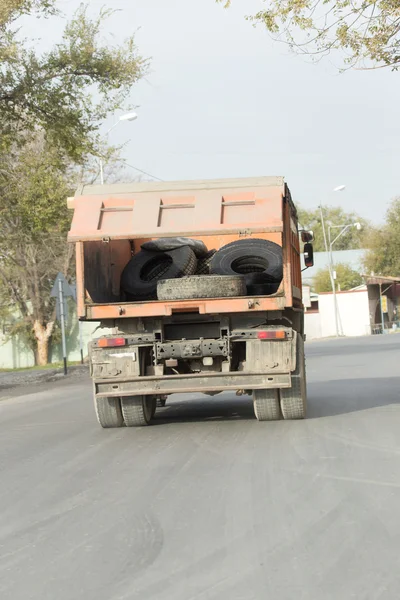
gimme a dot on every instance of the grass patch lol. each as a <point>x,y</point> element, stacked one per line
<point>56,365</point>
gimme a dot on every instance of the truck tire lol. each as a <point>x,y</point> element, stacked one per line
<point>248,257</point>
<point>204,264</point>
<point>266,405</point>
<point>294,399</point>
<point>166,244</point>
<point>262,289</point>
<point>201,286</point>
<point>138,410</point>
<point>108,412</point>
<point>139,277</point>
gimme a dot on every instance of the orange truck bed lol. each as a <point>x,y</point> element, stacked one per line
<point>110,223</point>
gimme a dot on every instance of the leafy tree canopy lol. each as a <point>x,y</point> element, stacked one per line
<point>383,257</point>
<point>367,33</point>
<point>68,90</point>
<point>51,107</point>
<point>346,279</point>
<point>35,181</point>
<point>334,215</point>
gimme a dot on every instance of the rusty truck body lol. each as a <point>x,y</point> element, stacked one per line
<point>250,344</point>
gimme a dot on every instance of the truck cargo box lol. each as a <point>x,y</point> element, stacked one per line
<point>110,223</point>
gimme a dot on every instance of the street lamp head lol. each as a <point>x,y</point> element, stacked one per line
<point>339,188</point>
<point>128,117</point>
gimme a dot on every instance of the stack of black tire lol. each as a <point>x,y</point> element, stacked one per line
<point>182,268</point>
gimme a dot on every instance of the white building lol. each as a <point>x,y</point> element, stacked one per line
<point>353,307</point>
<point>352,310</point>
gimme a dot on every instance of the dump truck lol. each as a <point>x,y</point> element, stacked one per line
<point>207,331</point>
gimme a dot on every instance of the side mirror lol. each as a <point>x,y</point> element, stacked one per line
<point>307,236</point>
<point>308,255</point>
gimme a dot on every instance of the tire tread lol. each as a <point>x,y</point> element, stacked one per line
<point>134,412</point>
<point>294,399</point>
<point>108,412</point>
<point>266,405</point>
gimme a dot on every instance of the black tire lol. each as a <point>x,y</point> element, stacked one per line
<point>251,258</point>
<point>166,244</point>
<point>201,286</point>
<point>108,412</point>
<point>140,276</point>
<point>266,405</point>
<point>204,264</point>
<point>138,410</point>
<point>294,399</point>
<point>262,289</point>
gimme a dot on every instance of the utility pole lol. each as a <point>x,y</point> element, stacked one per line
<point>62,319</point>
<point>81,340</point>
<point>60,291</point>
<point>343,228</point>
<point>323,228</point>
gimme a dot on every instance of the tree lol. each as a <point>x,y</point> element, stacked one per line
<point>51,107</point>
<point>352,239</point>
<point>346,279</point>
<point>367,34</point>
<point>383,257</point>
<point>68,90</point>
<point>35,181</point>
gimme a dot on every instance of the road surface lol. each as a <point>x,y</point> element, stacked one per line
<point>208,504</point>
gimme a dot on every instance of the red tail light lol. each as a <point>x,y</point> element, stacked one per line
<point>271,335</point>
<point>111,342</point>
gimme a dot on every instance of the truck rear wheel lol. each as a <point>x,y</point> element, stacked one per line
<point>266,405</point>
<point>108,412</point>
<point>294,399</point>
<point>138,410</point>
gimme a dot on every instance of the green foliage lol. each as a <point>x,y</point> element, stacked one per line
<point>350,240</point>
<point>11,10</point>
<point>51,108</point>
<point>68,90</point>
<point>367,34</point>
<point>35,180</point>
<point>346,279</point>
<point>383,257</point>
<point>34,185</point>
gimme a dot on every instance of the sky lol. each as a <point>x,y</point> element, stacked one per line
<point>224,100</point>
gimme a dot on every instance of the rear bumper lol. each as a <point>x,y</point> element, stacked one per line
<point>177,384</point>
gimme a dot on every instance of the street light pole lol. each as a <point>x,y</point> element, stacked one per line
<point>127,117</point>
<point>323,228</point>
<point>338,188</point>
<point>344,229</point>
<point>333,282</point>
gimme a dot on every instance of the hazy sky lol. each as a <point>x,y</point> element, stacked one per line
<point>223,100</point>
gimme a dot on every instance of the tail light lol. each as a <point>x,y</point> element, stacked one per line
<point>111,342</point>
<point>272,335</point>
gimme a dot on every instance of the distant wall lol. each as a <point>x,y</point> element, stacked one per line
<point>353,313</point>
<point>312,325</point>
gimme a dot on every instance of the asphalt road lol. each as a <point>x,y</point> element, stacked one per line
<point>208,503</point>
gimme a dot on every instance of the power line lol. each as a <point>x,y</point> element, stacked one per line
<point>140,170</point>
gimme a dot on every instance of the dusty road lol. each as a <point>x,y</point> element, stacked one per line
<point>208,503</point>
